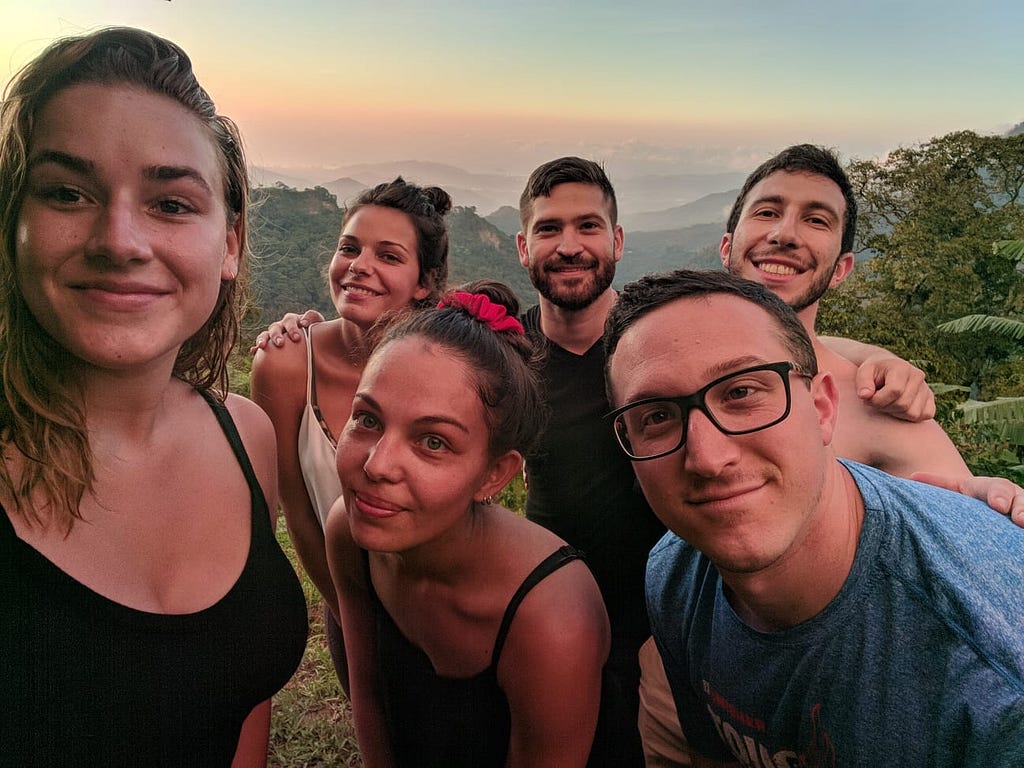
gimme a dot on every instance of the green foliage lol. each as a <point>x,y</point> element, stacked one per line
<point>293,235</point>
<point>929,215</point>
<point>479,249</point>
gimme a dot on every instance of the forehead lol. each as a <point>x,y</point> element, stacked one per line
<point>417,375</point>
<point>800,188</point>
<point>126,127</point>
<point>681,346</point>
<point>381,222</point>
<point>571,200</point>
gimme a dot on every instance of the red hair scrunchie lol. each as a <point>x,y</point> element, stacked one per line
<point>483,309</point>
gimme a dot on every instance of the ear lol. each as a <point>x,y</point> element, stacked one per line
<point>524,254</point>
<point>232,250</point>
<point>844,266</point>
<point>499,474</point>
<point>619,240</point>
<point>825,395</point>
<point>725,249</point>
<point>421,292</point>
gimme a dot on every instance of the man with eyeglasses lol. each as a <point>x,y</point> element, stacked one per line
<point>809,611</point>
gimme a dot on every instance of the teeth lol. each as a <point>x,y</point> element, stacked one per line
<point>776,269</point>
<point>362,291</point>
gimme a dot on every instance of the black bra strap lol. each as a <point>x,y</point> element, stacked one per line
<point>550,564</point>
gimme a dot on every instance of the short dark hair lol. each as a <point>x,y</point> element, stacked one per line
<point>565,170</point>
<point>503,364</point>
<point>656,290</point>
<point>426,208</point>
<point>803,158</point>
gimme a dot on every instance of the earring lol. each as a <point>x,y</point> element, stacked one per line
<point>487,501</point>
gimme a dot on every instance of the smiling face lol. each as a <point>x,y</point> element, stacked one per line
<point>414,456</point>
<point>789,237</point>
<point>122,238</point>
<point>570,245</point>
<point>746,501</point>
<point>376,267</point>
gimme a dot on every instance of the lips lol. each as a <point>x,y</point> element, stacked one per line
<point>354,289</point>
<point>120,295</point>
<point>374,506</point>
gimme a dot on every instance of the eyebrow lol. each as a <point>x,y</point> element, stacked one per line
<point>716,371</point>
<point>812,205</point>
<point>591,216</point>
<point>85,167</point>
<point>381,242</point>
<point>422,420</point>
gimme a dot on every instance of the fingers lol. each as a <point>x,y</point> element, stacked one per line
<point>895,387</point>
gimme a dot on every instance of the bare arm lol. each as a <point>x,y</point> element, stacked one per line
<point>885,381</point>
<point>550,670</point>
<point>254,739</point>
<point>360,632</point>
<point>279,387</point>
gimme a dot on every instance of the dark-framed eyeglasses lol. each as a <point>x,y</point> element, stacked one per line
<point>737,404</point>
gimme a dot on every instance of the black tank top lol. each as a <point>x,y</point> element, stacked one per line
<point>445,722</point>
<point>86,681</point>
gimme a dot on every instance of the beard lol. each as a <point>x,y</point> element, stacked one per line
<point>582,292</point>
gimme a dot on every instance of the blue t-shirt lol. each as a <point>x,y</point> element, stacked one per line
<point>918,661</point>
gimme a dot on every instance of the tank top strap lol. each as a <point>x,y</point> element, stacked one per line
<point>310,380</point>
<point>227,424</point>
<point>560,557</point>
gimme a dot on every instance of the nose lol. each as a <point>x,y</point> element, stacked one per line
<point>570,244</point>
<point>361,263</point>
<point>382,465</point>
<point>119,234</point>
<point>707,451</point>
<point>785,233</point>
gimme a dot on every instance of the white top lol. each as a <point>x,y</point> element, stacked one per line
<point>316,449</point>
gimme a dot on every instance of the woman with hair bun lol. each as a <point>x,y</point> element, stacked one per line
<point>392,256</point>
<point>474,637</point>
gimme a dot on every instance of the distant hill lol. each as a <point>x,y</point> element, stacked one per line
<point>479,249</point>
<point>695,247</point>
<point>1016,130</point>
<point>346,189</point>
<point>490,191</point>
<point>506,219</point>
<point>713,208</point>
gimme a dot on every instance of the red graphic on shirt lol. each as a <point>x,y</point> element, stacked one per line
<point>820,752</point>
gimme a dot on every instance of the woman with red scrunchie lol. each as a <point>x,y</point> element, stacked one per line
<point>474,636</point>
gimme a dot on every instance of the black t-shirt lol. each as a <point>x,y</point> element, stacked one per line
<point>582,486</point>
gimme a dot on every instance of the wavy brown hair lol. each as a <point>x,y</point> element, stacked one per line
<point>41,413</point>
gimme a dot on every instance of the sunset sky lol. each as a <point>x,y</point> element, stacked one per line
<point>659,86</point>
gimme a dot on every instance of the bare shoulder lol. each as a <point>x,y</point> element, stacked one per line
<point>280,369</point>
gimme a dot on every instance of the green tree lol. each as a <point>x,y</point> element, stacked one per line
<point>928,216</point>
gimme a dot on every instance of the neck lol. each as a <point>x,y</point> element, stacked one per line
<point>576,330</point>
<point>355,343</point>
<point>805,580</point>
<point>809,317</point>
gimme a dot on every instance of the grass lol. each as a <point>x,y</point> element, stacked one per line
<point>311,725</point>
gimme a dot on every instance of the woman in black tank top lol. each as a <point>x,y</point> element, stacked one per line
<point>148,612</point>
<point>475,637</point>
